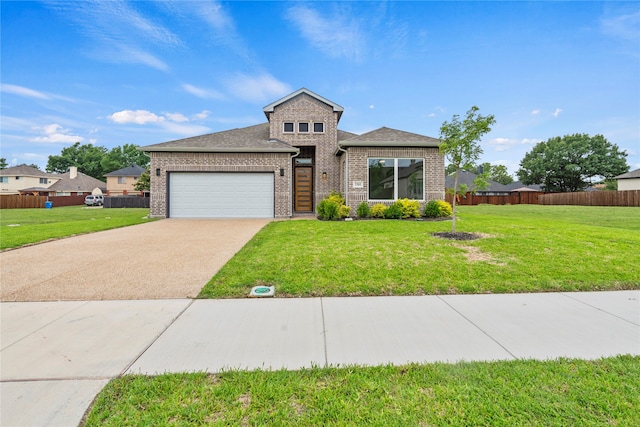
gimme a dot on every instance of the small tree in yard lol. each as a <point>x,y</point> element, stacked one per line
<point>460,146</point>
<point>144,182</point>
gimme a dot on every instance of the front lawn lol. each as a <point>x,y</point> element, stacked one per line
<point>20,227</point>
<point>525,248</point>
<point>506,393</point>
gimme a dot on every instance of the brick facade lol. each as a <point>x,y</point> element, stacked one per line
<point>169,162</point>
<point>306,109</point>
<point>358,171</point>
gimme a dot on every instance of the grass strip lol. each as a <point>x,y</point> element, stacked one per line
<point>525,248</point>
<point>19,227</point>
<point>502,393</point>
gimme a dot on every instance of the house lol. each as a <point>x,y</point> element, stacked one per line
<point>629,180</point>
<point>284,167</point>
<point>17,178</point>
<point>77,184</point>
<point>122,181</point>
<point>467,178</point>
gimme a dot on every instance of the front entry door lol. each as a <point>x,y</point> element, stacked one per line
<point>303,183</point>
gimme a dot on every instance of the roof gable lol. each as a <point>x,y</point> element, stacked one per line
<point>24,170</point>
<point>388,137</point>
<point>336,108</point>
<point>81,182</point>
<point>629,175</point>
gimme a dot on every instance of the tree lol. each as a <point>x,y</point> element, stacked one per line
<point>460,146</point>
<point>497,173</point>
<point>571,162</point>
<point>3,163</point>
<point>85,157</point>
<point>121,157</point>
<point>144,182</point>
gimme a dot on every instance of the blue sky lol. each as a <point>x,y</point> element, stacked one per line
<point>116,72</point>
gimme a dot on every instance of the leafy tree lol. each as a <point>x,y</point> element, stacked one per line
<point>144,182</point>
<point>460,146</point>
<point>3,163</point>
<point>571,162</point>
<point>85,157</point>
<point>497,173</point>
<point>121,157</point>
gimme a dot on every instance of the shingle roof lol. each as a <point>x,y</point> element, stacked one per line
<point>467,178</point>
<point>629,175</point>
<point>519,186</point>
<point>133,170</point>
<point>252,139</point>
<point>388,137</point>
<point>81,182</point>
<point>24,170</point>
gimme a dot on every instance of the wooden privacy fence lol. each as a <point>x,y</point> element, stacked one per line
<point>593,198</point>
<point>25,202</point>
<point>126,202</point>
<point>515,198</point>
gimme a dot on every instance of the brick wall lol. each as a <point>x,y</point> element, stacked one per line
<point>304,108</point>
<point>359,170</point>
<point>220,162</point>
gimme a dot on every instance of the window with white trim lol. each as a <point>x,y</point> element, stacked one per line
<point>43,181</point>
<point>393,178</point>
<point>288,127</point>
<point>4,179</point>
<point>303,127</point>
<point>318,127</point>
<point>122,180</point>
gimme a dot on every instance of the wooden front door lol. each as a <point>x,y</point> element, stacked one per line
<point>303,188</point>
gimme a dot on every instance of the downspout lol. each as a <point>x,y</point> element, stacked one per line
<point>346,175</point>
<point>291,179</point>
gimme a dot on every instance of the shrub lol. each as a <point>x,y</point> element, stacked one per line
<point>332,207</point>
<point>378,210</point>
<point>437,209</point>
<point>393,212</point>
<point>409,208</point>
<point>363,211</point>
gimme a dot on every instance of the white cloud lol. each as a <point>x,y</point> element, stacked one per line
<point>255,89</point>
<point>202,93</point>
<point>201,115</point>
<point>623,25</point>
<point>557,112</point>
<point>372,106</point>
<point>535,112</point>
<point>334,35</point>
<point>140,117</point>
<point>56,134</point>
<point>23,91</point>
<point>505,144</point>
<point>177,117</point>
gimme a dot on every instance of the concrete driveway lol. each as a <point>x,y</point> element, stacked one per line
<point>170,258</point>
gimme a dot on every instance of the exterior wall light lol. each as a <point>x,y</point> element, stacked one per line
<point>324,176</point>
<point>157,171</point>
<point>281,172</point>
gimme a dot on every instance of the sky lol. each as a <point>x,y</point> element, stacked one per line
<point>120,72</point>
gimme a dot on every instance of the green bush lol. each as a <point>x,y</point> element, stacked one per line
<point>363,211</point>
<point>378,210</point>
<point>393,212</point>
<point>437,209</point>
<point>409,208</point>
<point>332,207</point>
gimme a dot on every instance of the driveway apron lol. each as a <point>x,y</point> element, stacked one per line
<point>171,258</point>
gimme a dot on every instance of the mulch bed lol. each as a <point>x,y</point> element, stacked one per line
<point>459,235</point>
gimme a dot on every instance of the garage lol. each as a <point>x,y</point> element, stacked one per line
<point>221,195</point>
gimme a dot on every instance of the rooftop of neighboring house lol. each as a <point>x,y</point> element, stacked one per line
<point>133,170</point>
<point>73,180</point>
<point>629,175</point>
<point>24,170</point>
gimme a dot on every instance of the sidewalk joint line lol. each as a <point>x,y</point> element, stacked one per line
<point>324,334</point>
<point>153,341</point>
<point>599,309</point>
<point>479,328</point>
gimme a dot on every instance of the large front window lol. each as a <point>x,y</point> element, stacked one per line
<point>392,179</point>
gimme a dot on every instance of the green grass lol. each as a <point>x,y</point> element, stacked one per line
<point>37,225</point>
<point>514,393</point>
<point>526,248</point>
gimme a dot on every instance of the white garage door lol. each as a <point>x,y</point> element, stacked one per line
<point>221,195</point>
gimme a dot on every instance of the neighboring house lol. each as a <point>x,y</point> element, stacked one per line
<point>284,167</point>
<point>17,178</point>
<point>77,184</point>
<point>629,180</point>
<point>517,186</point>
<point>467,178</point>
<point>121,182</point>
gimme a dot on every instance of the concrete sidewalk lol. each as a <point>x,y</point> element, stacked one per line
<point>56,356</point>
